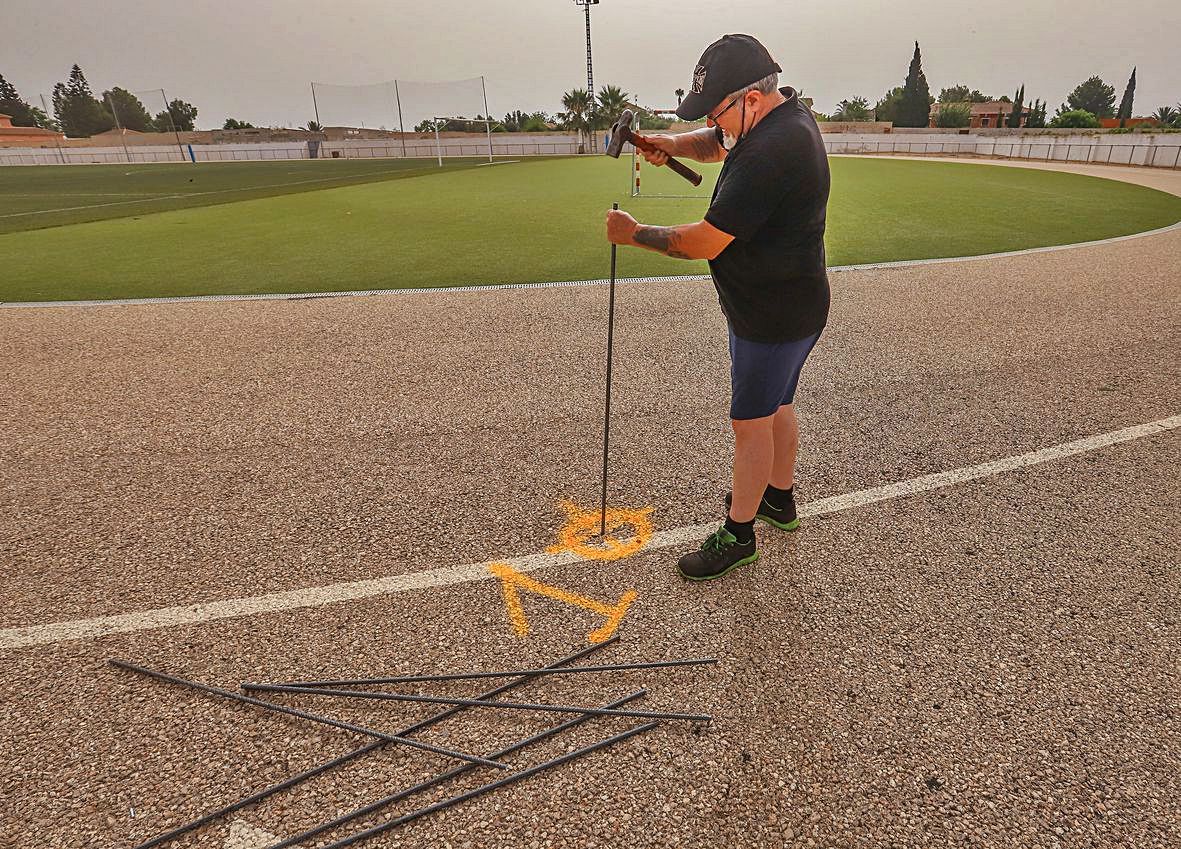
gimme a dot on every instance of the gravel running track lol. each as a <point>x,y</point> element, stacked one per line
<point>995,663</point>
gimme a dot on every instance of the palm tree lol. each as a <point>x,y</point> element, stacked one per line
<point>611,101</point>
<point>577,104</point>
<point>315,126</point>
<point>856,109</point>
<point>1166,114</point>
<point>680,92</point>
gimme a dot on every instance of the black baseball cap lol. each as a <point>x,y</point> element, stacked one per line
<point>730,63</point>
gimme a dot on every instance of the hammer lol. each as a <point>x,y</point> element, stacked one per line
<point>621,131</point>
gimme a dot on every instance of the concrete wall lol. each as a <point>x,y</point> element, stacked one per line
<point>503,144</point>
<point>1161,150</point>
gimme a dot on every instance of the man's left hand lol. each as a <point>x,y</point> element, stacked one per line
<point>621,227</point>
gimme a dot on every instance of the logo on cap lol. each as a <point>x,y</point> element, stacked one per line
<point>698,79</point>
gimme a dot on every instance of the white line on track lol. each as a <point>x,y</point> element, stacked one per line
<point>146,620</point>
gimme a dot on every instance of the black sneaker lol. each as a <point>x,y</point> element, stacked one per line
<point>783,517</point>
<point>720,554</point>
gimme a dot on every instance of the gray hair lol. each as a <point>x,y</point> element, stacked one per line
<point>767,85</point>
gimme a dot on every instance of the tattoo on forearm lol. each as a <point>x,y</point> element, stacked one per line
<point>703,147</point>
<point>664,239</point>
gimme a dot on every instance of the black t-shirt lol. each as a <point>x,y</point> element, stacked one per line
<point>771,196</point>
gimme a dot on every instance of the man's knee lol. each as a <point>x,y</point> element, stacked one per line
<point>752,428</point>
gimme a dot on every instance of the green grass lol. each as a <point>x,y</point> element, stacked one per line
<point>54,196</point>
<point>529,221</point>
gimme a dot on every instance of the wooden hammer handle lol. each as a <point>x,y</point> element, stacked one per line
<point>682,169</point>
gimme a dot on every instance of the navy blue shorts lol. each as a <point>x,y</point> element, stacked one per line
<point>763,376</point>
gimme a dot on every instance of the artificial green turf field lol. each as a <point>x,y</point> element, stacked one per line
<point>406,223</point>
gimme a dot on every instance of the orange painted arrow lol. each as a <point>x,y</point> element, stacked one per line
<point>512,582</point>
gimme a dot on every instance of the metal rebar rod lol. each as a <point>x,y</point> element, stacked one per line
<point>439,779</point>
<point>490,786</point>
<point>294,780</point>
<point>459,676</point>
<point>325,720</point>
<point>610,338</point>
<point>441,700</point>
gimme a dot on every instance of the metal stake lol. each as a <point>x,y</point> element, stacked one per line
<point>493,785</point>
<point>440,700</point>
<point>356,729</point>
<point>439,779</point>
<point>610,338</point>
<point>459,676</point>
<point>286,784</point>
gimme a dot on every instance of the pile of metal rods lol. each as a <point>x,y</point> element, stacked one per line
<point>402,736</point>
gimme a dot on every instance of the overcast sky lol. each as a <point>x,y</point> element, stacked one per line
<point>254,59</point>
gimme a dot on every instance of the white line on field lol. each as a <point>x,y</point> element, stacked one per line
<point>221,192</point>
<point>78,629</point>
<point>492,287</point>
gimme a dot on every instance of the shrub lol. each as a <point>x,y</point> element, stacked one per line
<point>954,115</point>
<point>1075,118</point>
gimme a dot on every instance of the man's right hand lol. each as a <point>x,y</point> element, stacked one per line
<point>665,145</point>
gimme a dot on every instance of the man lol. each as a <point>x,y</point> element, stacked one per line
<point>763,235</point>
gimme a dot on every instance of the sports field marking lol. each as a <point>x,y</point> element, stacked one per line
<point>145,620</point>
<point>97,205</point>
<point>89,194</point>
<point>222,191</point>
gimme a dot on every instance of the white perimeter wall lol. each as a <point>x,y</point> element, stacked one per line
<point>1162,151</point>
<point>1159,150</point>
<point>517,144</point>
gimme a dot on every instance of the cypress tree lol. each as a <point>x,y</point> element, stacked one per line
<point>914,109</point>
<point>1018,108</point>
<point>1125,105</point>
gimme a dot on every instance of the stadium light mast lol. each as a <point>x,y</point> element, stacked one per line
<point>590,74</point>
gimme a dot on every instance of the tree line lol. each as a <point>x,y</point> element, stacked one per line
<point>581,113</point>
<point>909,105</point>
<point>78,113</point>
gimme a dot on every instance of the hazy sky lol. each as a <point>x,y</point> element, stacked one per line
<point>253,59</point>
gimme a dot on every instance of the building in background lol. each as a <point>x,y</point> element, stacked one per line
<point>26,136</point>
<point>992,113</point>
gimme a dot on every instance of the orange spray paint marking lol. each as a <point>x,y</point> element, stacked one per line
<point>512,582</point>
<point>582,525</point>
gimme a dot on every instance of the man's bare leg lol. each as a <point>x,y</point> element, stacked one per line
<point>787,445</point>
<point>754,453</point>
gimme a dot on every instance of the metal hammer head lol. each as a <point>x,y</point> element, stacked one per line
<point>621,132</point>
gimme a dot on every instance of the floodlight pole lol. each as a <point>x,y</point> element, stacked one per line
<point>315,105</point>
<point>590,75</point>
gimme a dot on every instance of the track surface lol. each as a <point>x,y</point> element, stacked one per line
<point>989,663</point>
